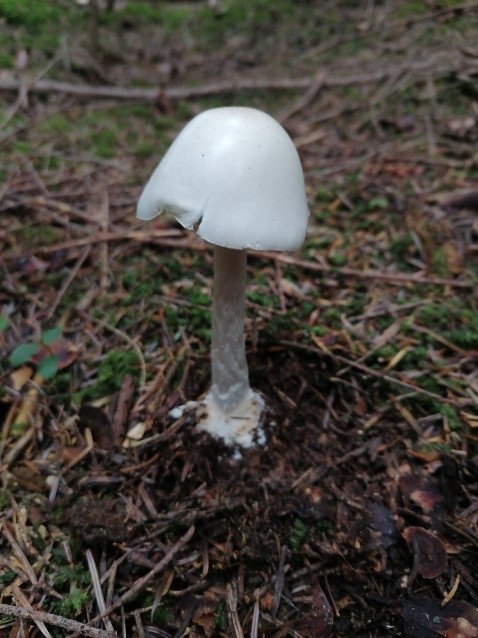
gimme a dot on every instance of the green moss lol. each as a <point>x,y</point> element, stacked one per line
<point>435,315</point>
<point>401,249</point>
<point>415,359</point>
<point>22,146</point>
<point>332,317</point>
<point>439,263</point>
<point>6,59</point>
<point>382,356</point>
<point>110,374</point>
<point>7,576</point>
<point>338,259</point>
<point>319,331</point>
<point>37,235</point>
<point>464,338</point>
<point>163,614</point>
<point>58,124</point>
<point>33,14</point>
<point>106,142</point>
<point>146,148</point>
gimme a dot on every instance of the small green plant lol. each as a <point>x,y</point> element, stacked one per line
<point>7,576</point>
<point>451,416</point>
<point>110,375</point>
<point>220,620</point>
<point>71,581</point>
<point>298,535</point>
<point>3,323</point>
<point>402,248</point>
<point>42,350</point>
<point>72,603</point>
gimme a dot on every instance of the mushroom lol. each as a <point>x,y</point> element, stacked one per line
<point>234,175</point>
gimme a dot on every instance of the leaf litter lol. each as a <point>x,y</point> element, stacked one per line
<point>359,516</point>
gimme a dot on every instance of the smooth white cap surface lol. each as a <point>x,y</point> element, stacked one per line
<point>234,174</point>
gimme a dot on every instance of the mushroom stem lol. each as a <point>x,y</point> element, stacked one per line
<point>230,376</point>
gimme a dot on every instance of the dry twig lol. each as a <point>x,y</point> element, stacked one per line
<point>57,621</point>
<point>154,95</point>
<point>142,582</point>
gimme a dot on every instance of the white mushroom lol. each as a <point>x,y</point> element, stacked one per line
<point>234,175</point>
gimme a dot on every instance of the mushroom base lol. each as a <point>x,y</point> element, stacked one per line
<point>239,427</point>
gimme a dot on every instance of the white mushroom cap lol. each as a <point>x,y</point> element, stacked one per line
<point>234,174</point>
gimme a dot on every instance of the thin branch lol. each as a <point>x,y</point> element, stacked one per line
<point>57,621</point>
<point>320,348</point>
<point>392,278</point>
<point>69,280</point>
<point>142,582</point>
<point>97,238</point>
<point>279,584</point>
<point>175,238</point>
<point>156,94</point>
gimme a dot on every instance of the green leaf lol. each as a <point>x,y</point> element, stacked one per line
<point>48,367</point>
<point>23,353</point>
<point>50,336</point>
<point>378,202</point>
<point>3,323</point>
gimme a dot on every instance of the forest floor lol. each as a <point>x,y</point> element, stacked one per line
<point>358,517</point>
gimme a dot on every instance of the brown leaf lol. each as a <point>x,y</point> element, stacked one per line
<point>429,551</point>
<point>422,491</point>
<point>20,377</point>
<point>29,477</point>
<point>100,425</point>
<point>205,614</point>
<point>428,619</point>
<point>381,519</point>
<point>267,601</point>
<point>427,499</point>
<point>123,406</point>
<point>62,348</point>
<point>320,620</point>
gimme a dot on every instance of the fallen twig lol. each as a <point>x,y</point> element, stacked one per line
<point>57,621</point>
<point>98,238</point>
<point>95,579</point>
<point>234,621</point>
<point>175,238</point>
<point>155,94</point>
<point>69,280</point>
<point>320,348</point>
<point>392,278</point>
<point>142,582</point>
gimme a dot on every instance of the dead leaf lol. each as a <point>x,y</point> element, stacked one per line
<point>100,425</point>
<point>470,419</point>
<point>453,257</point>
<point>422,491</point>
<point>429,551</point>
<point>20,377</point>
<point>426,499</point>
<point>425,454</point>
<point>428,619</point>
<point>29,477</point>
<point>320,620</point>
<point>205,614</point>
<point>123,406</point>
<point>381,519</point>
<point>63,349</point>
<point>267,601</point>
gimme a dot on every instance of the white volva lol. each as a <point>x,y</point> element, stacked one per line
<point>234,175</point>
